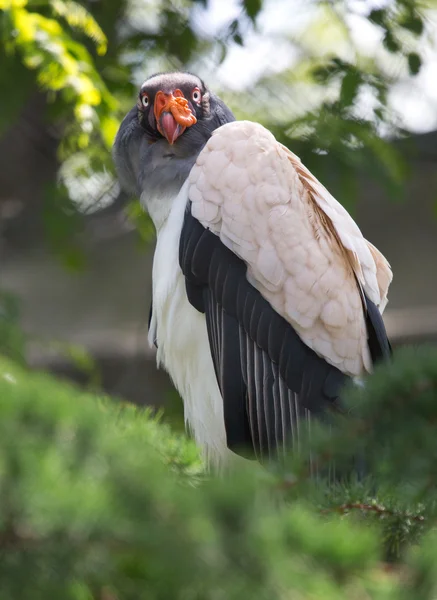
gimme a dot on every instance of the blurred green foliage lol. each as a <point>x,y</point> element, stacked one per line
<point>14,343</point>
<point>390,425</point>
<point>12,339</point>
<point>40,35</point>
<point>99,500</point>
<point>89,58</point>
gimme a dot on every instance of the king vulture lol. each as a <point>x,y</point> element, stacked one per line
<point>266,296</point>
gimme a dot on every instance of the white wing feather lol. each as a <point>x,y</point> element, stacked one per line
<point>303,250</point>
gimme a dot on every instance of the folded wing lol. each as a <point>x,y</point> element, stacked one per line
<point>289,287</point>
<point>304,253</point>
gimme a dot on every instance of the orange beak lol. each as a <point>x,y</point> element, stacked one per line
<point>172,114</point>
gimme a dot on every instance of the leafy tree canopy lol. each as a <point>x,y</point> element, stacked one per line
<point>89,58</point>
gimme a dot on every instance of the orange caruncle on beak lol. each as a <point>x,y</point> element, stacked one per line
<point>172,114</point>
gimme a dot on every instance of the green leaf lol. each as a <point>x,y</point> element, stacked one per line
<point>176,36</point>
<point>414,63</point>
<point>79,18</point>
<point>238,39</point>
<point>349,87</point>
<point>378,16</point>
<point>252,8</point>
<point>390,42</point>
<point>413,23</point>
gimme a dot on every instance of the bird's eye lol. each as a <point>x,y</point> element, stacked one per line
<point>145,100</point>
<point>196,95</point>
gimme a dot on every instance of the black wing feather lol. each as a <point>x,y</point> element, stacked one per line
<point>269,379</point>
<point>379,344</point>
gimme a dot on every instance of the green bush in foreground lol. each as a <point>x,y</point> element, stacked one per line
<point>102,502</point>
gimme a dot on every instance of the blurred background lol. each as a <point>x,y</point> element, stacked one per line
<point>349,85</point>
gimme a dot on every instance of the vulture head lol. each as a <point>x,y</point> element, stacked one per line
<point>162,135</point>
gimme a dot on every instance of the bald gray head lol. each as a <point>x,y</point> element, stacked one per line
<point>160,138</point>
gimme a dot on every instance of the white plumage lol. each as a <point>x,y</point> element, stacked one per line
<point>179,331</point>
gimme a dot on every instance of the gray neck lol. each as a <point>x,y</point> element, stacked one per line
<point>164,174</point>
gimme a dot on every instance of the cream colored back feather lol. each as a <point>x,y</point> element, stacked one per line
<point>303,250</point>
